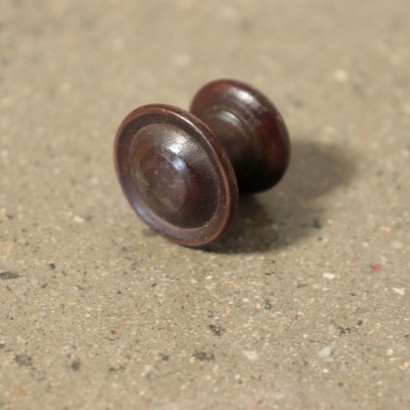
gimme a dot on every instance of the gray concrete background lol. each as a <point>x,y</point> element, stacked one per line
<point>304,305</point>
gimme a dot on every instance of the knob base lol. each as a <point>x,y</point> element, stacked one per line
<point>250,128</point>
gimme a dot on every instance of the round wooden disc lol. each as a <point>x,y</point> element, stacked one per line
<point>176,174</point>
<point>251,129</point>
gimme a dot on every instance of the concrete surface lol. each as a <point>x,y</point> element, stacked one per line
<point>305,305</point>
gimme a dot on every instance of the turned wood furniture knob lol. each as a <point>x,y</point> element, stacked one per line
<point>181,171</point>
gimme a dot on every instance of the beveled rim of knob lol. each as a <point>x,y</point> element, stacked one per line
<point>176,174</point>
<point>258,119</point>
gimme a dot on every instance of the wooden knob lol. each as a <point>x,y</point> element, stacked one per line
<point>181,171</point>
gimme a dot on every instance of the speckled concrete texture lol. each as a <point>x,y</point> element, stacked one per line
<point>304,305</point>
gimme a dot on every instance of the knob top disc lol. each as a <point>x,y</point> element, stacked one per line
<point>176,174</point>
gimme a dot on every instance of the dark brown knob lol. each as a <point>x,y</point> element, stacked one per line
<point>181,171</point>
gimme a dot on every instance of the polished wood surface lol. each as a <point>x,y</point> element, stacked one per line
<point>181,171</point>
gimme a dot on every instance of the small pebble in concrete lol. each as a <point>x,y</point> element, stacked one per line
<point>341,76</point>
<point>328,275</point>
<point>76,365</point>
<point>343,368</point>
<point>400,291</point>
<point>325,353</point>
<point>316,223</point>
<point>217,330</point>
<point>203,356</point>
<point>251,355</point>
<point>23,360</point>
<point>397,245</point>
<point>182,60</point>
<point>376,267</point>
<point>9,275</point>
